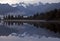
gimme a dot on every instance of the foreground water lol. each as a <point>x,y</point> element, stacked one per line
<point>19,31</point>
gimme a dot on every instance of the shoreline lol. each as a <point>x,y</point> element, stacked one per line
<point>31,21</point>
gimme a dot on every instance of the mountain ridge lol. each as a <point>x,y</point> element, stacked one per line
<point>27,9</point>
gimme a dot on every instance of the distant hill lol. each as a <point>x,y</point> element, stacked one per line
<point>27,9</point>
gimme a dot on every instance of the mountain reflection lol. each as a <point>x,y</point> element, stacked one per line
<point>34,29</point>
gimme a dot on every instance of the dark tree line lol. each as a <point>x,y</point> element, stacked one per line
<point>12,17</point>
<point>50,15</point>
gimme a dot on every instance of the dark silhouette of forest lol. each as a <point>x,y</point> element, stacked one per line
<point>50,15</point>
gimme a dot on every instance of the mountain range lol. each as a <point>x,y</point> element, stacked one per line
<point>27,9</point>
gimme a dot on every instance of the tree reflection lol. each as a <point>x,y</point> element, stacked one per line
<point>30,29</point>
<point>49,25</point>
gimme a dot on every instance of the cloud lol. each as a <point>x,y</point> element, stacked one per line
<point>9,1</point>
<point>29,1</point>
<point>47,1</point>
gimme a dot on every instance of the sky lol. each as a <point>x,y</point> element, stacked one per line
<point>28,1</point>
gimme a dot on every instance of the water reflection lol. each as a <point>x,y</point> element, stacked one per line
<point>48,25</point>
<point>29,29</point>
<point>5,31</point>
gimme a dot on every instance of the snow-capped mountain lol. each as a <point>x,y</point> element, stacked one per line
<point>27,9</point>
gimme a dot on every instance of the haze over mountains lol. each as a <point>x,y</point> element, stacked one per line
<point>27,9</point>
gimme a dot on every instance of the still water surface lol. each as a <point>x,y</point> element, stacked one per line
<point>19,31</point>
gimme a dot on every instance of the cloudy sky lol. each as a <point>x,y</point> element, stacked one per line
<point>28,1</point>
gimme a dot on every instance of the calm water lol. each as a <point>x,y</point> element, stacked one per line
<point>19,31</point>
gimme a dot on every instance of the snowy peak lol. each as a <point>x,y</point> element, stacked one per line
<point>28,9</point>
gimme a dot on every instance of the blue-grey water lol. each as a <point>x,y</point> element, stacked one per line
<point>17,31</point>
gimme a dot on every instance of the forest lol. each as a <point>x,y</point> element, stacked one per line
<point>49,15</point>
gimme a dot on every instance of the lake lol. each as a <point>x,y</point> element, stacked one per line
<point>29,31</point>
